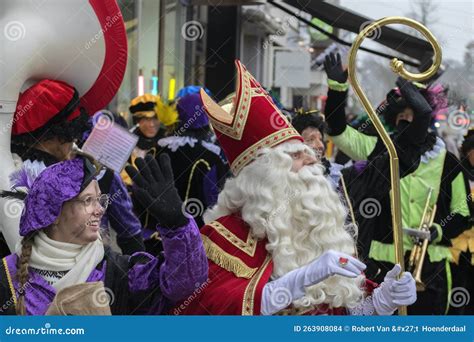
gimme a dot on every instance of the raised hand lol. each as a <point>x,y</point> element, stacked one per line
<point>413,97</point>
<point>334,69</point>
<point>154,189</point>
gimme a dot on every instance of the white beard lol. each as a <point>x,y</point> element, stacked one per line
<point>300,215</point>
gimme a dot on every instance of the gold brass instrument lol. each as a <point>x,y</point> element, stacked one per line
<point>78,152</point>
<point>418,252</point>
<point>397,67</point>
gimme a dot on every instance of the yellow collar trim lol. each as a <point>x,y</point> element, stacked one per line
<point>225,260</point>
<point>248,247</point>
<point>248,304</point>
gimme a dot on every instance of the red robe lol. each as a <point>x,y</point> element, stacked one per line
<point>239,268</point>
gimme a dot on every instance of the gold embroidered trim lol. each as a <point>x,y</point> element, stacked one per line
<point>225,260</point>
<point>9,279</point>
<point>249,247</point>
<point>188,188</point>
<point>258,92</point>
<point>249,294</point>
<point>240,113</point>
<point>271,140</point>
<point>294,311</point>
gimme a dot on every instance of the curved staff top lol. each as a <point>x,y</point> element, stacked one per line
<point>80,42</point>
<point>397,67</point>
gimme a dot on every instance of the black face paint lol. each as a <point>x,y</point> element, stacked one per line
<point>402,125</point>
<point>394,105</point>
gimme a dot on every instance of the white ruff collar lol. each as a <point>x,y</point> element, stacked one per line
<point>174,142</point>
<point>438,147</point>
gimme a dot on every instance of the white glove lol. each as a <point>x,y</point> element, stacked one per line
<point>393,293</point>
<point>279,293</point>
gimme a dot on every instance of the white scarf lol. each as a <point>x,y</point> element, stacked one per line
<point>78,260</point>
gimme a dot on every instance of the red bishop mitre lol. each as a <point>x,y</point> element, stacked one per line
<point>251,123</point>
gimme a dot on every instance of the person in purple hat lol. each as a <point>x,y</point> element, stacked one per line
<point>197,161</point>
<point>61,244</point>
<point>43,134</point>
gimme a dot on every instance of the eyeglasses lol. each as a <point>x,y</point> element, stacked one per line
<point>90,202</point>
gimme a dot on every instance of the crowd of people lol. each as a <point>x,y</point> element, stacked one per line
<point>233,208</point>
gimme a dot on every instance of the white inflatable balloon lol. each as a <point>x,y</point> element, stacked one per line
<point>81,42</point>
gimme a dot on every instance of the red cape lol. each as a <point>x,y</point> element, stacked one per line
<point>239,268</point>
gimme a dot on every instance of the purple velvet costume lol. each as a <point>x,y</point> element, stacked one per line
<point>183,269</point>
<point>177,273</point>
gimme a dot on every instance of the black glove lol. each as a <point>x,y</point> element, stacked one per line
<point>433,233</point>
<point>132,244</point>
<point>154,189</point>
<point>413,97</point>
<point>333,68</point>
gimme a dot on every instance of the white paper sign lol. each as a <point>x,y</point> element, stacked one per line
<point>110,144</point>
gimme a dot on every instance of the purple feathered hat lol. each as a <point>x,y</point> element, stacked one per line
<point>57,184</point>
<point>191,112</point>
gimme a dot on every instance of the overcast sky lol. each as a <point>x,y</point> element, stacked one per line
<point>454,26</point>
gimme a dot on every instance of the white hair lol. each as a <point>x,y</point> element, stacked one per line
<point>301,216</point>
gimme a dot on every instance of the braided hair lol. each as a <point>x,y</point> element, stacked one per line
<point>22,273</point>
